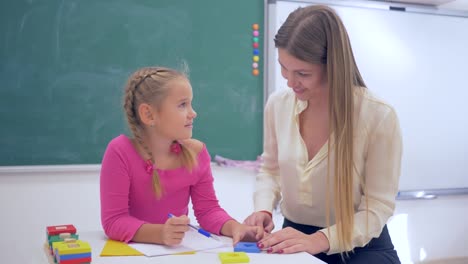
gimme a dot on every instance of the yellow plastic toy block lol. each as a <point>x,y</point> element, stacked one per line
<point>71,247</point>
<point>233,257</point>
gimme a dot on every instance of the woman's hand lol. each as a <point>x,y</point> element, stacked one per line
<point>173,231</point>
<point>261,219</point>
<point>289,240</point>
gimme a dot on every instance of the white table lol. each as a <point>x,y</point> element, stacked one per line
<point>97,239</point>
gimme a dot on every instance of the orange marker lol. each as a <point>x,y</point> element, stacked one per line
<point>255,27</point>
<point>255,72</point>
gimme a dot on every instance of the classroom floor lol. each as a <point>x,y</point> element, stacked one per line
<point>423,231</point>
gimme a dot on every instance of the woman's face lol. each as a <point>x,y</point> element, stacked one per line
<point>307,80</point>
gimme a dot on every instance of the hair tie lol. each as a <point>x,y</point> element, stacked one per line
<point>176,148</point>
<point>149,166</point>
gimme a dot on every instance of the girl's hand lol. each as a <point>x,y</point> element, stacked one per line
<point>241,232</point>
<point>290,240</point>
<point>173,231</point>
<point>261,219</point>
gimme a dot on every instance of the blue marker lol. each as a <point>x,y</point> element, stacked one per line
<point>199,230</point>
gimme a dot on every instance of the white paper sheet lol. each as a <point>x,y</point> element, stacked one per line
<point>192,241</point>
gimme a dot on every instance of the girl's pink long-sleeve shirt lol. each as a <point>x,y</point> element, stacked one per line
<point>128,199</point>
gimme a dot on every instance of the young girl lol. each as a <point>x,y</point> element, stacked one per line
<point>156,171</point>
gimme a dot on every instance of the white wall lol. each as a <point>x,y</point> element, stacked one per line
<point>30,202</point>
<point>421,230</point>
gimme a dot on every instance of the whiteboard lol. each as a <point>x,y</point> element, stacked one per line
<point>419,64</point>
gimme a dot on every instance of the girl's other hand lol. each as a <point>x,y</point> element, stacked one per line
<point>261,219</point>
<point>242,232</point>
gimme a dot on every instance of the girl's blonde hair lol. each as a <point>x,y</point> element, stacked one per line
<point>150,85</point>
<point>316,34</point>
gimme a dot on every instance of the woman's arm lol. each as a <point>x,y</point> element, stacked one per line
<point>267,188</point>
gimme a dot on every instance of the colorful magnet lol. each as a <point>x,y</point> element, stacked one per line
<point>233,257</point>
<point>249,247</point>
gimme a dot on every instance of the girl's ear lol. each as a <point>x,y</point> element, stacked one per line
<point>147,114</point>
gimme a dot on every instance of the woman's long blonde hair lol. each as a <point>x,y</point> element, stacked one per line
<point>149,85</point>
<point>316,34</point>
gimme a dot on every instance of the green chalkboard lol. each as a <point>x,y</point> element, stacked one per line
<point>64,65</point>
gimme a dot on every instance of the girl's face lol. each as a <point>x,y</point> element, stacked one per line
<point>307,80</point>
<point>175,114</point>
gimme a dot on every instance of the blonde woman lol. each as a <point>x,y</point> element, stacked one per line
<point>332,150</point>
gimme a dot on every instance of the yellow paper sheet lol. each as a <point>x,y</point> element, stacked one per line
<point>117,248</point>
<point>114,248</point>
